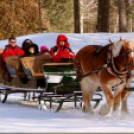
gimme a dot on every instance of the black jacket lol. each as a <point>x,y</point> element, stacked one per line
<point>28,54</point>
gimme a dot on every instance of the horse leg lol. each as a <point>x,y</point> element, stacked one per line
<point>105,108</point>
<point>87,92</point>
<point>117,97</point>
<point>124,107</point>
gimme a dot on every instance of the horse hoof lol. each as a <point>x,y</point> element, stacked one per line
<point>104,110</point>
<point>39,107</point>
<point>91,111</point>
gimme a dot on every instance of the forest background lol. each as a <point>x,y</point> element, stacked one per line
<point>21,17</point>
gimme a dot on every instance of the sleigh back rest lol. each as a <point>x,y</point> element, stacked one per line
<point>32,66</point>
<point>1,60</point>
<point>57,73</point>
<point>61,69</point>
<point>13,62</point>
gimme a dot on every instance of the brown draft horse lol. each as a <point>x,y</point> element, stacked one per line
<point>118,57</point>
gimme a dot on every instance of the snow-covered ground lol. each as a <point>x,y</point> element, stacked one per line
<point>25,117</point>
<point>18,116</point>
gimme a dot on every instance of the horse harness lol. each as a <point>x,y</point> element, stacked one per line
<point>110,65</point>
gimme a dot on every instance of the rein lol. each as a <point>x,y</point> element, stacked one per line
<point>110,66</point>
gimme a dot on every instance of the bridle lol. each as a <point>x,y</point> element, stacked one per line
<point>109,60</point>
<point>127,66</point>
<point>110,66</point>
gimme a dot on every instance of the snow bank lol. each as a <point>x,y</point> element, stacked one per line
<point>76,41</point>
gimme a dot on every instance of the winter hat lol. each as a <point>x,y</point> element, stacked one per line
<point>44,49</point>
<point>32,45</point>
<point>26,43</point>
<point>62,37</point>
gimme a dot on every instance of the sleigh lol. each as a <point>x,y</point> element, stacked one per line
<point>26,76</point>
<point>39,75</point>
<point>59,79</point>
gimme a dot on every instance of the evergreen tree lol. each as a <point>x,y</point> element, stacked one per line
<point>122,16</point>
<point>103,15</point>
<point>20,17</point>
<point>61,14</point>
<point>77,16</point>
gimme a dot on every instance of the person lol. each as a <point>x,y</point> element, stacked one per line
<point>62,51</point>
<point>26,43</point>
<point>12,49</point>
<point>31,50</point>
<point>44,50</point>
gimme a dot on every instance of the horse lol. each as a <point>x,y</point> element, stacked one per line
<point>114,67</point>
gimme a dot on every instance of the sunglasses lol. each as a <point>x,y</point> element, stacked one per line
<point>13,42</point>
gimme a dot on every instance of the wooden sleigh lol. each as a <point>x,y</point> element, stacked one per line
<point>38,74</point>
<point>26,75</point>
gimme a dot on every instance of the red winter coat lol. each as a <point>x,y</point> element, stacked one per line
<point>10,51</point>
<point>57,52</point>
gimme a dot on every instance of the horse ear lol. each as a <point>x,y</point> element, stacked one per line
<point>110,41</point>
<point>130,43</point>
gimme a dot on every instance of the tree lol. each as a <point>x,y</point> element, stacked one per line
<point>20,17</point>
<point>122,16</point>
<point>40,19</point>
<point>60,15</point>
<point>129,12</point>
<point>77,16</point>
<point>103,16</point>
<point>88,17</point>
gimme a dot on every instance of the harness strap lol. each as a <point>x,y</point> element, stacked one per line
<point>110,66</point>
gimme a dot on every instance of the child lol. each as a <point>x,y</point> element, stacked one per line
<point>44,51</point>
<point>31,50</point>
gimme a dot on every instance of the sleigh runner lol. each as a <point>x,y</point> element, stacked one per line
<point>59,80</point>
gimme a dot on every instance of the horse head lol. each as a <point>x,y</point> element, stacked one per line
<point>123,52</point>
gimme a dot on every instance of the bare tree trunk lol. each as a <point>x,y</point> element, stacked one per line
<point>81,23</point>
<point>77,16</point>
<point>103,16</point>
<point>129,20</point>
<point>116,23</point>
<point>40,19</point>
<point>122,16</point>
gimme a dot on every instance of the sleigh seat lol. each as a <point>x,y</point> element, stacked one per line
<point>31,80</point>
<point>33,66</point>
<point>14,66</point>
<point>2,70</point>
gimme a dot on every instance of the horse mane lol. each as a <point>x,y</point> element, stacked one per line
<point>117,48</point>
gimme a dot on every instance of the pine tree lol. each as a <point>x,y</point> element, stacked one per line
<point>77,16</point>
<point>103,15</point>
<point>130,15</point>
<point>61,14</point>
<point>122,16</point>
<point>20,17</point>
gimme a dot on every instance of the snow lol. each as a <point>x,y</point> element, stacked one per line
<point>76,41</point>
<point>19,116</point>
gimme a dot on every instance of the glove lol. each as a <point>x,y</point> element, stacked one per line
<point>67,60</point>
<point>55,50</point>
